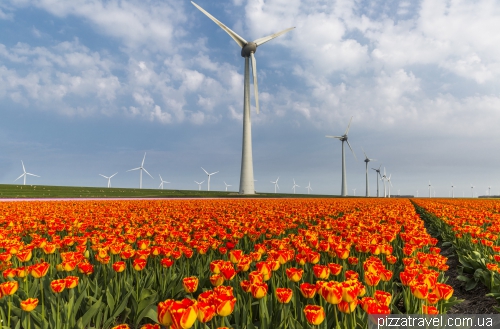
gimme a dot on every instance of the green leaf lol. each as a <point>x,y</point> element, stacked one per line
<point>84,321</point>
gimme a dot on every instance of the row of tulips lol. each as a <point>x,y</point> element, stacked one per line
<point>217,263</point>
<point>472,228</point>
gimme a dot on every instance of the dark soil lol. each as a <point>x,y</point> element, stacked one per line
<point>475,300</point>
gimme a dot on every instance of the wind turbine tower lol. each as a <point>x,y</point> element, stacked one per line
<point>344,138</point>
<point>472,190</point>
<point>378,174</point>
<point>199,185</point>
<point>109,179</point>
<point>248,50</point>
<point>206,172</point>
<point>452,190</point>
<point>309,188</point>
<point>367,194</point>
<point>24,174</point>
<point>276,184</point>
<point>294,186</point>
<point>430,189</point>
<point>141,168</point>
<point>162,182</point>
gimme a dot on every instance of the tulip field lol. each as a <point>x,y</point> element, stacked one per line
<point>232,263</point>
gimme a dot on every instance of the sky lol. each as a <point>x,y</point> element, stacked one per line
<point>87,87</point>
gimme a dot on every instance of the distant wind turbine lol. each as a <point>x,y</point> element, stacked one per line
<point>227,185</point>
<point>489,190</point>
<point>472,190</point>
<point>248,50</point>
<point>378,174</point>
<point>384,178</point>
<point>390,184</point>
<point>141,168</point>
<point>367,194</point>
<point>24,174</point>
<point>294,185</point>
<point>108,178</point>
<point>208,187</point>
<point>162,182</point>
<point>309,188</point>
<point>452,190</point>
<point>199,185</point>
<point>276,184</point>
<point>354,191</point>
<point>344,138</point>
<point>430,189</point>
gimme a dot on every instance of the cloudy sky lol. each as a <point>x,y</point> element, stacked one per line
<point>88,86</point>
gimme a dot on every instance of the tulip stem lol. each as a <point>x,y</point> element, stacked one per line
<point>8,316</point>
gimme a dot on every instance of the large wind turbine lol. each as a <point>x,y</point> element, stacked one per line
<point>378,174</point>
<point>206,172</point>
<point>162,182</point>
<point>309,188</point>
<point>199,185</point>
<point>248,50</point>
<point>294,186</point>
<point>367,194</point>
<point>109,178</point>
<point>141,168</point>
<point>276,184</point>
<point>343,138</point>
<point>24,174</point>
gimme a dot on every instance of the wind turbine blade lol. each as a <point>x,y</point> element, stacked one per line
<point>134,169</point>
<point>351,150</point>
<point>255,87</point>
<point>24,170</point>
<point>103,176</point>
<point>277,179</point>
<point>204,171</point>
<point>142,165</point>
<point>263,40</point>
<point>338,137</point>
<point>202,182</point>
<point>239,40</point>
<point>365,154</point>
<point>214,173</point>
<point>347,130</point>
<point>32,174</point>
<point>160,177</point>
<point>147,173</point>
<point>19,177</point>
<point>113,174</point>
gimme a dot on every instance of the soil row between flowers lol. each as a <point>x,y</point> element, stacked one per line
<point>474,284</point>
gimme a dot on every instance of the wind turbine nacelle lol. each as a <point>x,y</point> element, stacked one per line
<point>249,48</point>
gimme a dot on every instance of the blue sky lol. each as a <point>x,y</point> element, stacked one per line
<point>88,86</point>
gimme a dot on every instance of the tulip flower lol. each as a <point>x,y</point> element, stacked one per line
<point>71,282</point>
<point>164,317</point>
<point>190,284</point>
<point>347,307</point>
<point>39,270</point>
<point>119,266</point>
<point>224,304</point>
<point>184,313</point>
<point>166,262</point>
<point>206,312</point>
<point>216,280</point>
<point>139,264</point>
<point>9,288</point>
<point>24,255</point>
<point>284,295</point>
<point>258,290</point>
<point>382,297</point>
<point>294,274</point>
<point>86,268</point>
<point>332,292</point>
<point>121,326</point>
<point>308,290</point>
<point>151,326</point>
<point>29,304</point>
<point>321,272</point>
<point>314,314</point>
<point>58,286</point>
<point>227,270</point>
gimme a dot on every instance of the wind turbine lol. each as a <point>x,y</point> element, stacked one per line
<point>452,190</point>
<point>366,162</point>
<point>141,168</point>
<point>343,139</point>
<point>24,174</point>
<point>162,181</point>
<point>294,185</point>
<point>199,185</point>
<point>430,189</point>
<point>489,190</point>
<point>390,184</point>
<point>248,50</point>
<point>108,178</point>
<point>208,187</point>
<point>378,174</point>
<point>472,190</point>
<point>276,184</point>
<point>354,191</point>
<point>227,185</point>
<point>384,178</point>
<point>309,188</point>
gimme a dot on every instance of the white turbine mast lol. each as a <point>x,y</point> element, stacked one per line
<point>452,190</point>
<point>430,189</point>
<point>390,184</point>
<point>227,185</point>
<point>378,174</point>
<point>367,194</point>
<point>276,184</point>
<point>294,186</point>
<point>108,178</point>
<point>384,178</point>
<point>248,50</point>
<point>199,185</point>
<point>472,190</point>
<point>354,191</point>
<point>24,174</point>
<point>344,138</point>
<point>309,188</point>
<point>209,175</point>
<point>141,169</point>
<point>162,182</point>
